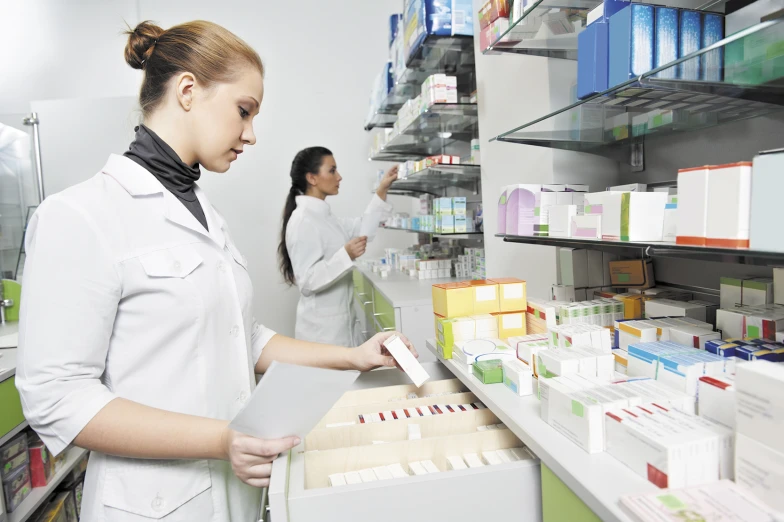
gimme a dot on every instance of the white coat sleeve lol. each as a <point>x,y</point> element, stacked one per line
<point>70,295</point>
<point>377,210</point>
<point>259,338</point>
<point>313,270</point>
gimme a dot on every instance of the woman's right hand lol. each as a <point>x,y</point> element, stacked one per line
<point>251,458</point>
<point>356,247</point>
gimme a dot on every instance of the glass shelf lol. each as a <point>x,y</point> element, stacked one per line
<point>531,33</point>
<point>431,133</point>
<point>444,54</point>
<point>442,176</point>
<point>456,235</point>
<point>657,248</point>
<point>662,103</point>
<point>407,88</point>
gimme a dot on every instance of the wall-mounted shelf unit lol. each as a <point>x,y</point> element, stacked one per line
<point>657,249</point>
<point>455,235</point>
<point>661,103</point>
<point>524,35</point>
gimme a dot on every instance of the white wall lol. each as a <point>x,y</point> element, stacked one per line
<point>320,66</point>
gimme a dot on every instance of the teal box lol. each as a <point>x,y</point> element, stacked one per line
<point>459,206</point>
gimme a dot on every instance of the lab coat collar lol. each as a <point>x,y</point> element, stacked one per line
<point>315,205</point>
<point>138,181</point>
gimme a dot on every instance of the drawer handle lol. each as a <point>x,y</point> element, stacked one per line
<point>378,314</point>
<point>387,329</point>
<point>365,303</point>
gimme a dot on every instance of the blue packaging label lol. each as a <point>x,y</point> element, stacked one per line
<point>690,42</point>
<point>666,50</point>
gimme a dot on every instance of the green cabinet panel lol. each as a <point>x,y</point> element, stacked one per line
<point>384,311</point>
<point>560,504</point>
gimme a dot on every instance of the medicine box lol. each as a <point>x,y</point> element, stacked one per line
<point>666,40</point>
<point>593,59</point>
<point>692,213</point>
<point>759,469</point>
<point>489,371</point>
<point>485,297</point>
<point>510,324</point>
<point>759,416</point>
<point>670,308</point>
<point>512,294</point>
<point>630,43</point>
<point>729,205</point>
<point>502,201</point>
<point>587,226</point>
<point>574,267</point>
<point>712,62</point>
<point>520,209</point>
<point>632,273</point>
<point>406,360</point>
<point>690,40</point>
<point>757,291</point>
<point>449,331</point>
<point>766,193</point>
<point>717,399</point>
<point>518,377</point>
<point>453,299</point>
<point>561,219</point>
<point>640,216</point>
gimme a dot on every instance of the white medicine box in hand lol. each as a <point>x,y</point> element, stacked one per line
<point>408,363</point>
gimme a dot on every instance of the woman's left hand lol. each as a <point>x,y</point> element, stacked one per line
<point>388,178</point>
<point>372,355</point>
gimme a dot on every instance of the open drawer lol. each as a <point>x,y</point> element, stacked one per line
<point>300,489</point>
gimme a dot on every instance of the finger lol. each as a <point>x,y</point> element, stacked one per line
<point>409,344</point>
<point>261,471</point>
<point>276,446</point>
<point>267,448</point>
<point>257,483</point>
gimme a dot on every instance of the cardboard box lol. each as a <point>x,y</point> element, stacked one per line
<point>574,267</point>
<point>518,377</point>
<point>765,199</point>
<point>692,216</point>
<point>595,268</point>
<point>729,205</point>
<point>606,260</point>
<point>694,336</point>
<point>635,332</point>
<point>564,293</point>
<point>730,292</point>
<point>510,324</point>
<point>670,308</point>
<point>630,43</point>
<point>718,399</point>
<point>485,297</point>
<point>453,299</point>
<point>757,291</point>
<point>633,273</point>
<point>760,415</point>
<point>759,469</point>
<point>512,294</point>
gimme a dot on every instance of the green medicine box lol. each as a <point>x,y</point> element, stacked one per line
<point>489,371</point>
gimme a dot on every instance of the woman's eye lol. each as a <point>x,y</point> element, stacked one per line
<point>244,113</point>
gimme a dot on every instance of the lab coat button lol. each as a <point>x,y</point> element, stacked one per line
<point>222,266</point>
<point>158,504</point>
<point>243,397</point>
<point>177,266</point>
<point>235,331</point>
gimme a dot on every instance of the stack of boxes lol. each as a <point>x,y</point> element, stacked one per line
<point>582,274</point>
<point>451,216</point>
<point>15,471</point>
<point>539,210</point>
<point>411,167</point>
<point>434,269</point>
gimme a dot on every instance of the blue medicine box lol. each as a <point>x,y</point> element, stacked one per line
<point>611,7</point>
<point>435,17</point>
<point>592,58</point>
<point>666,40</point>
<point>395,23</point>
<point>631,43</point>
<point>712,62</point>
<point>690,42</point>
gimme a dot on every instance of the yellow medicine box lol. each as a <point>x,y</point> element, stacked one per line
<point>511,324</point>
<point>453,300</point>
<point>485,297</point>
<point>511,294</point>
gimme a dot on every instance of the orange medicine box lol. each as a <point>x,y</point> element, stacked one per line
<point>485,297</point>
<point>511,294</point>
<point>453,299</point>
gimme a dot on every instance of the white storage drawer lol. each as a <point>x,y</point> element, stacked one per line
<point>300,489</point>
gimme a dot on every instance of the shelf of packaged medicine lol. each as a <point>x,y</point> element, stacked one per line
<point>40,495</point>
<point>529,34</point>
<point>599,480</point>
<point>406,88</point>
<point>439,177</point>
<point>657,249</point>
<point>452,55</point>
<point>431,132</point>
<point>450,235</point>
<point>662,103</point>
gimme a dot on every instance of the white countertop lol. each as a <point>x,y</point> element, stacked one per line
<point>599,479</point>
<point>7,363</point>
<point>403,290</point>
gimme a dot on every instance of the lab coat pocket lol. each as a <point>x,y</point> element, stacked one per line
<point>156,488</point>
<point>171,262</point>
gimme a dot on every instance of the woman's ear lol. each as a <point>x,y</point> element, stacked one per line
<point>186,84</point>
<point>311,179</point>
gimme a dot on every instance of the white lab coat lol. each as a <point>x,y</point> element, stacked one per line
<point>316,243</point>
<point>126,295</point>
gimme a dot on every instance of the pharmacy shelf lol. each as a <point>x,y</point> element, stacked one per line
<point>529,35</point>
<point>658,249</point>
<point>456,235</point>
<point>453,55</point>
<point>660,103</point>
<point>39,495</point>
<point>438,177</point>
<point>432,132</point>
<point>599,480</point>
